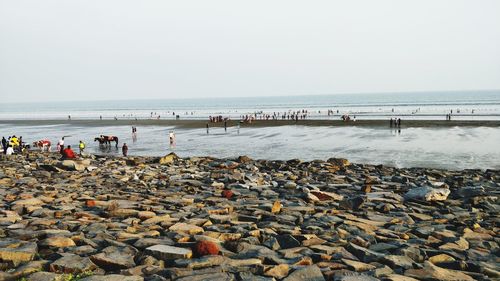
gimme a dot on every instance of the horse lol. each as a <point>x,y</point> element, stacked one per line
<point>43,145</point>
<point>106,140</point>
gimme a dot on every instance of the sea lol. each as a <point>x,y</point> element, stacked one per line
<point>453,148</point>
<point>471,105</point>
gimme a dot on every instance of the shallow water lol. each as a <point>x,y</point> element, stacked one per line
<point>449,148</point>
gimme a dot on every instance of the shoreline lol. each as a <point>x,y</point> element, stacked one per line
<point>192,123</point>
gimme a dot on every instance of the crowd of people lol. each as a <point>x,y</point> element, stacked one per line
<point>13,144</point>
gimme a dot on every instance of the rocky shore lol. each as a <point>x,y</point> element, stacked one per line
<point>200,218</point>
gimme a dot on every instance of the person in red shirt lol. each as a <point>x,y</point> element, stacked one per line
<point>68,153</point>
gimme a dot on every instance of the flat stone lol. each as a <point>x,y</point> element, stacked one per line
<point>45,276</point>
<point>112,277</point>
<point>57,242</point>
<point>433,272</point>
<point>307,273</point>
<point>395,261</point>
<point>181,227</point>
<point>28,202</point>
<point>427,194</point>
<point>358,266</point>
<point>114,258</point>
<point>71,263</point>
<point>278,271</point>
<point>164,252</point>
<point>441,258</point>
<point>16,251</point>
<point>221,276</point>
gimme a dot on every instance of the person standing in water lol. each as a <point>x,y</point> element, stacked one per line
<point>171,137</point>
<point>207,128</point>
<point>225,126</point>
<point>125,149</point>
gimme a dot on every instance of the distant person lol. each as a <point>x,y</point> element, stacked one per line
<point>390,122</point>
<point>207,128</point>
<point>68,153</point>
<point>4,144</point>
<point>171,137</point>
<point>399,122</point>
<point>69,117</point>
<point>9,150</point>
<point>225,125</point>
<point>81,146</point>
<point>60,145</point>
<point>125,150</point>
<point>100,117</point>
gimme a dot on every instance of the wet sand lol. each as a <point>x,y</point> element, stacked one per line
<point>258,123</point>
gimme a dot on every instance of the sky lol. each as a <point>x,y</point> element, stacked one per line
<point>119,49</point>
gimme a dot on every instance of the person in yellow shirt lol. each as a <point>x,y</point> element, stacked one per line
<point>81,146</point>
<point>14,142</point>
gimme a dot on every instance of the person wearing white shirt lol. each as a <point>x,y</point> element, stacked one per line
<point>10,150</point>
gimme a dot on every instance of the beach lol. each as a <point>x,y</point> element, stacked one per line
<point>452,145</point>
<point>203,218</point>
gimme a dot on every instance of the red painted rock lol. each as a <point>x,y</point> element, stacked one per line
<point>204,248</point>
<point>227,193</point>
<point>90,203</point>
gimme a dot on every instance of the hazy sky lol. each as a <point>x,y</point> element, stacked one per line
<point>118,49</point>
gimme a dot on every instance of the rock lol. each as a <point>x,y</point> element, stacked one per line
<point>164,252</point>
<point>181,227</point>
<point>16,251</point>
<point>433,272</point>
<point>28,202</point>
<point>45,276</point>
<point>74,165</point>
<point>71,263</point>
<point>278,271</point>
<point>307,273</point>
<point>471,191</point>
<point>287,241</point>
<point>395,261</point>
<point>204,248</point>
<point>276,207</point>
<point>113,258</point>
<point>23,270</point>
<point>228,194</point>
<point>57,242</point>
<point>397,277</point>
<point>290,185</point>
<point>441,258</point>
<point>324,196</point>
<point>219,276</point>
<point>168,159</point>
<point>358,266</point>
<point>112,277</point>
<point>427,194</point>
<point>353,203</point>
